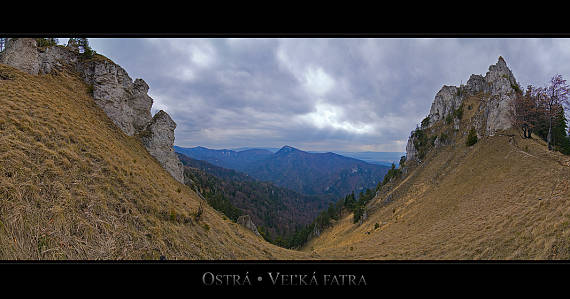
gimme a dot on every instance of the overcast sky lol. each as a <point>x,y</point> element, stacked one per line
<point>322,94</point>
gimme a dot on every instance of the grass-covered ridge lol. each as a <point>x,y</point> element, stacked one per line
<point>499,197</point>
<point>73,186</point>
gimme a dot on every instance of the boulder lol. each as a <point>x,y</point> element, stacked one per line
<point>246,221</point>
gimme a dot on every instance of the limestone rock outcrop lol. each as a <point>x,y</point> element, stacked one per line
<point>315,233</point>
<point>498,85</point>
<point>502,92</point>
<point>446,100</point>
<point>246,221</point>
<point>363,217</point>
<point>411,151</point>
<point>56,58</point>
<point>125,102</point>
<point>22,54</point>
<point>497,90</point>
<point>158,138</point>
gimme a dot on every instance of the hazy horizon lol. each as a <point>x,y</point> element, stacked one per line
<point>271,148</point>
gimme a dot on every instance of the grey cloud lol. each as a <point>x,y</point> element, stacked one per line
<point>316,94</point>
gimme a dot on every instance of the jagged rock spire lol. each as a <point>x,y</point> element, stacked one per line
<point>498,88</point>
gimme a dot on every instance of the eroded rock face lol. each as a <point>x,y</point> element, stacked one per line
<point>446,101</point>
<point>315,233</point>
<point>125,102</point>
<point>411,151</point>
<point>246,221</point>
<point>497,90</point>
<point>476,84</point>
<point>502,93</point>
<point>363,217</point>
<point>128,105</point>
<point>56,58</point>
<point>498,86</point>
<point>22,54</point>
<point>158,138</point>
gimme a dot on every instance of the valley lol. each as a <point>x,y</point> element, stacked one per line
<point>278,212</point>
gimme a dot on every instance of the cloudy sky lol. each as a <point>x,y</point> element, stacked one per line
<point>322,94</point>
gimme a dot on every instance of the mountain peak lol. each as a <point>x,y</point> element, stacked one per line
<point>501,60</point>
<point>499,70</point>
<point>494,93</point>
<point>287,149</point>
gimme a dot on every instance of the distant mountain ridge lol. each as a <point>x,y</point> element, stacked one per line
<point>322,174</point>
<point>380,158</point>
<point>225,158</point>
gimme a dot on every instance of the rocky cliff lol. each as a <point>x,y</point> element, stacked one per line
<point>125,102</point>
<point>158,138</point>
<point>495,91</point>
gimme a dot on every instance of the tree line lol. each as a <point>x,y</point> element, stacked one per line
<point>81,43</point>
<point>349,204</point>
<point>541,110</point>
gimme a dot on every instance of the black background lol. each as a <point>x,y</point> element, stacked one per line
<point>183,279</point>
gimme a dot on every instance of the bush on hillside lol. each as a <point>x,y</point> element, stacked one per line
<point>443,138</point>
<point>472,137</point>
<point>421,142</point>
<point>393,173</point>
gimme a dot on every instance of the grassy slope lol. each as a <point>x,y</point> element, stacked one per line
<point>73,186</point>
<point>477,202</point>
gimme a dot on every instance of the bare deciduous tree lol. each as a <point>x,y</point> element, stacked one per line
<point>556,97</point>
<point>525,110</point>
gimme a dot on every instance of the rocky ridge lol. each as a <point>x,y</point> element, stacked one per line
<point>496,90</point>
<point>125,102</point>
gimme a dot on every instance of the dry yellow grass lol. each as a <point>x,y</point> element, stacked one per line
<point>479,202</point>
<point>73,186</point>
